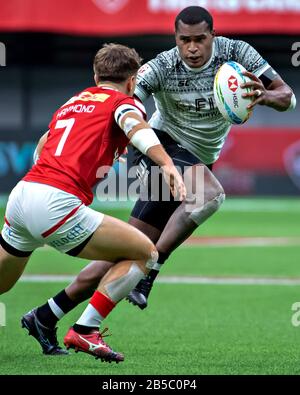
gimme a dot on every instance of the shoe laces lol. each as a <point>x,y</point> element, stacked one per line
<point>104,334</point>
<point>104,331</point>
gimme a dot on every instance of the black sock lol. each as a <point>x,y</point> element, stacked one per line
<point>152,275</point>
<point>45,313</point>
<point>163,256</point>
<point>83,330</point>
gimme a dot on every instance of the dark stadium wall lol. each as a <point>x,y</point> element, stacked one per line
<point>44,70</point>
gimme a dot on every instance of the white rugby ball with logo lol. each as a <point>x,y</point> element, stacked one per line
<point>228,92</point>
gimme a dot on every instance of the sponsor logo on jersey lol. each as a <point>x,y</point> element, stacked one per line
<point>207,104</point>
<point>88,96</point>
<point>144,68</point>
<point>183,83</point>
<point>110,6</point>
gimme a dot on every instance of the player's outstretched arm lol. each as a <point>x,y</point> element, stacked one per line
<point>143,137</point>
<point>147,142</point>
<point>158,154</point>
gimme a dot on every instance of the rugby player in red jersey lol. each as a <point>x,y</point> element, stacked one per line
<point>50,204</point>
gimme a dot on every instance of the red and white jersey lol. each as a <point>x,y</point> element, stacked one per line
<point>83,137</point>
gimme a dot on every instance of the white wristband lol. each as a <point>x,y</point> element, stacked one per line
<point>144,139</point>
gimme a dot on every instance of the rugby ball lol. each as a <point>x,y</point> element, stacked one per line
<point>228,92</point>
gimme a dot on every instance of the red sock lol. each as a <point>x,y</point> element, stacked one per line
<point>102,303</point>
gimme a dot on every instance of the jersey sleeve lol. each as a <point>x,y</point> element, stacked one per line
<point>128,105</point>
<point>151,75</point>
<point>248,57</point>
<point>147,81</point>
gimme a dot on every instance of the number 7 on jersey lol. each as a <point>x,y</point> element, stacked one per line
<point>66,124</point>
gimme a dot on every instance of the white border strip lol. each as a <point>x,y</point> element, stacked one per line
<point>255,204</point>
<point>43,278</point>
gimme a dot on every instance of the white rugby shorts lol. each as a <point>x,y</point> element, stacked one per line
<point>38,214</point>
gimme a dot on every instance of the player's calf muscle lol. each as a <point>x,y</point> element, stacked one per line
<point>11,269</point>
<point>87,280</point>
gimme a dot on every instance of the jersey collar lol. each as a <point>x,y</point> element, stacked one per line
<point>107,87</point>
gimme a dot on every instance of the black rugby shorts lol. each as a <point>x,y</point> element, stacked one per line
<point>150,207</point>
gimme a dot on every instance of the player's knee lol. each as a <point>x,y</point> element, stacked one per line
<point>153,258</point>
<point>215,198</point>
<point>218,197</point>
<point>150,254</point>
<point>201,212</point>
<point>215,195</point>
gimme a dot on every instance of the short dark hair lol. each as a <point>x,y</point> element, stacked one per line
<point>193,15</point>
<point>116,62</point>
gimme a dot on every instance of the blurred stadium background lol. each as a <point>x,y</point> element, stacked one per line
<point>244,260</point>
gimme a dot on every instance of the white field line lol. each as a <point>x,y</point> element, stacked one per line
<point>242,241</point>
<point>231,204</point>
<point>219,241</point>
<point>259,205</point>
<point>44,278</point>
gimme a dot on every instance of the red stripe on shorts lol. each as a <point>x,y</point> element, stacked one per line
<point>60,223</point>
<point>6,221</point>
